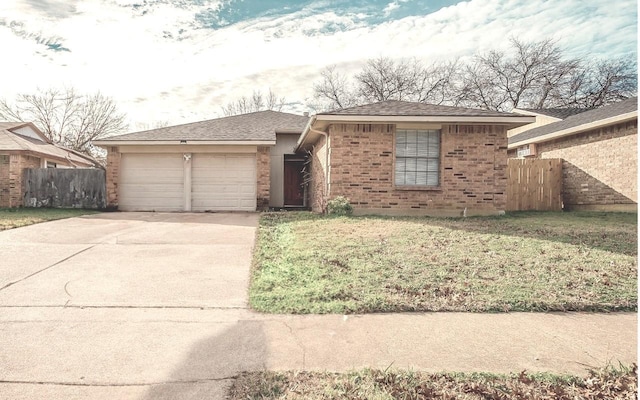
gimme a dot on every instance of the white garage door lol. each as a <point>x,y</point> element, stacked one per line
<point>223,182</point>
<point>151,182</point>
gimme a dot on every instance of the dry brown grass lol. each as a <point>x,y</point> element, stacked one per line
<point>608,383</point>
<point>17,217</point>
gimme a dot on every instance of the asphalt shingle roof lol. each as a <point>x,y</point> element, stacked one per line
<point>406,108</point>
<point>597,114</point>
<point>11,141</point>
<point>561,113</point>
<point>256,126</point>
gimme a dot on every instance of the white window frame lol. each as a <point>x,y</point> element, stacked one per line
<point>417,158</point>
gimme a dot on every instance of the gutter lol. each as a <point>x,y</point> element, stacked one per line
<point>515,120</point>
<point>183,142</point>
<point>576,129</point>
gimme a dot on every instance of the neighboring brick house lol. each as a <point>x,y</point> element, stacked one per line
<point>236,163</point>
<point>23,145</point>
<point>543,116</point>
<point>599,152</point>
<point>403,158</point>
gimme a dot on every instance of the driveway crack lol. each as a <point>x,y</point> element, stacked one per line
<point>298,342</point>
<point>46,268</point>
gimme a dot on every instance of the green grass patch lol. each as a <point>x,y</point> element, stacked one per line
<point>607,383</point>
<point>17,217</point>
<point>306,263</point>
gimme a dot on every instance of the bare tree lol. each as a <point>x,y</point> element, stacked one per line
<point>527,74</point>
<point>145,126</point>
<point>384,78</point>
<point>66,117</point>
<point>600,82</point>
<point>257,102</point>
<point>524,77</point>
<point>334,90</point>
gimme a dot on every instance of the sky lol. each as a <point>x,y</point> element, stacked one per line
<point>178,61</point>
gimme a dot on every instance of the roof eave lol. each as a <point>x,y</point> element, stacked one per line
<point>577,129</point>
<point>34,128</point>
<point>533,113</point>
<point>320,122</point>
<point>304,136</point>
<point>511,120</point>
<point>184,142</point>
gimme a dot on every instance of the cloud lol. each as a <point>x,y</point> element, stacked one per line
<point>390,7</point>
<point>160,63</point>
<point>53,8</point>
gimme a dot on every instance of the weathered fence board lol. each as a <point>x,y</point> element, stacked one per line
<point>64,188</point>
<point>534,184</point>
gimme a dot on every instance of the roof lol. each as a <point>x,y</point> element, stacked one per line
<point>407,108</point>
<point>257,126</point>
<point>607,115</point>
<point>12,141</point>
<point>405,112</point>
<point>560,113</point>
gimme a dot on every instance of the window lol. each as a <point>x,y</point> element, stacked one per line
<point>417,158</point>
<point>51,164</point>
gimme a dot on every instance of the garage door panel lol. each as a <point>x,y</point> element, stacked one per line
<point>151,182</point>
<point>156,182</point>
<point>223,182</point>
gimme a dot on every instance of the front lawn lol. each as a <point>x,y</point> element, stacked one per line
<point>306,263</point>
<point>17,217</point>
<point>608,383</point>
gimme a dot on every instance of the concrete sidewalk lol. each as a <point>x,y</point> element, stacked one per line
<point>186,353</point>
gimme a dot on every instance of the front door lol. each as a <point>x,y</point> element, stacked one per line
<point>293,183</point>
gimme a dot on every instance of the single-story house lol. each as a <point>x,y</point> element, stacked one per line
<point>396,157</point>
<point>391,157</point>
<point>23,145</point>
<point>238,163</point>
<point>599,149</point>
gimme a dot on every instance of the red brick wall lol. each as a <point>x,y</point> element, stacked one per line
<point>113,175</point>
<point>600,167</point>
<point>473,162</point>
<point>4,181</point>
<point>11,168</point>
<point>264,172</point>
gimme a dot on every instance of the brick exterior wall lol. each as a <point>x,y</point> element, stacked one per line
<point>599,168</point>
<point>113,176</point>
<point>263,161</point>
<point>5,192</point>
<point>11,175</point>
<point>473,162</point>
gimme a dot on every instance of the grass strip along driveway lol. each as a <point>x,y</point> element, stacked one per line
<point>571,261</point>
<point>17,217</point>
<point>608,383</point>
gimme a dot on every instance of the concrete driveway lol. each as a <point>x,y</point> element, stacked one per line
<point>130,260</point>
<point>104,306</point>
<point>153,306</point>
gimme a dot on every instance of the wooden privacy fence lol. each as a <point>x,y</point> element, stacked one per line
<point>534,184</point>
<point>64,188</point>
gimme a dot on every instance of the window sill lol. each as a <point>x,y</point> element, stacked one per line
<point>420,188</point>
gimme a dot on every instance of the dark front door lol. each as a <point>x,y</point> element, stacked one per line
<point>293,188</point>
